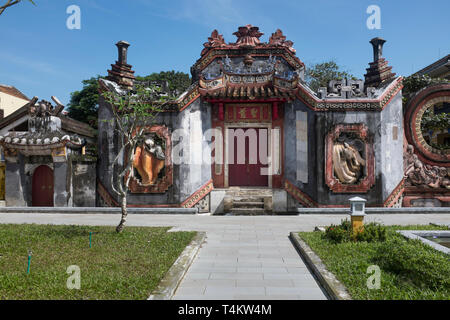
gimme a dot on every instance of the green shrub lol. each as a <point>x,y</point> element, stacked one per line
<point>343,233</point>
<point>337,234</point>
<point>415,261</point>
<point>372,232</point>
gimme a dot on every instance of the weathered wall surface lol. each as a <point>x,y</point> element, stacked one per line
<point>300,168</point>
<point>84,183</point>
<point>386,132</point>
<point>15,188</point>
<point>188,147</point>
<point>391,153</point>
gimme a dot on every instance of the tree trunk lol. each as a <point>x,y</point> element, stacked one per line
<point>123,220</point>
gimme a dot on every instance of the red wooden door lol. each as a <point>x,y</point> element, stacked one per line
<point>42,193</point>
<point>247,173</point>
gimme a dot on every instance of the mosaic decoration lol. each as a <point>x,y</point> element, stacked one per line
<point>413,119</point>
<point>395,198</point>
<point>299,195</point>
<point>199,195</point>
<point>105,195</point>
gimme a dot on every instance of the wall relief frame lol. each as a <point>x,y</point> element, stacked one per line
<point>353,142</point>
<point>165,175</point>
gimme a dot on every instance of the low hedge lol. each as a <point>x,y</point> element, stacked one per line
<point>415,261</point>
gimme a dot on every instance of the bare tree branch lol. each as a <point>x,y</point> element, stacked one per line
<point>10,3</point>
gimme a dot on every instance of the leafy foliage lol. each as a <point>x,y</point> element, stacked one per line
<point>83,105</point>
<point>430,120</point>
<point>177,81</point>
<point>414,260</point>
<point>415,83</point>
<point>349,261</point>
<point>320,74</point>
<point>133,112</point>
<point>343,233</point>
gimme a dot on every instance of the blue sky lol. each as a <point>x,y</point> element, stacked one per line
<point>41,57</point>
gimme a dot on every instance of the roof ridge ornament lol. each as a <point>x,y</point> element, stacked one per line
<point>215,40</point>
<point>279,39</point>
<point>248,36</point>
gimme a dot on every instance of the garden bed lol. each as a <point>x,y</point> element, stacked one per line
<point>409,269</point>
<point>129,265</point>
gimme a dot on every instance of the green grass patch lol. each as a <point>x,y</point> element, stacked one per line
<point>409,269</point>
<point>118,266</point>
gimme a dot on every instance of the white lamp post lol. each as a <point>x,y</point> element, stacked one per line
<point>358,206</point>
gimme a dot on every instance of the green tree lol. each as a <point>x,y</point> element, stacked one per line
<point>132,113</point>
<point>177,81</point>
<point>320,74</point>
<point>10,3</point>
<point>83,105</point>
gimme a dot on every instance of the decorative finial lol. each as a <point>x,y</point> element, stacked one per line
<point>248,35</point>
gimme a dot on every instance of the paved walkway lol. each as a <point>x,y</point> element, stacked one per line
<point>243,257</point>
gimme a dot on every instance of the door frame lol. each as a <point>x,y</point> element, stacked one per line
<point>246,125</point>
<point>35,167</point>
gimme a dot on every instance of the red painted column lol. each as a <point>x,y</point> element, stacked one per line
<point>275,111</point>
<point>221,113</point>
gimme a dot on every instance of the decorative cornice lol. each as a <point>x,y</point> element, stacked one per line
<point>361,104</point>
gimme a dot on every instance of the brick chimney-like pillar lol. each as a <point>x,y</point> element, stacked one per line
<point>121,72</point>
<point>378,71</point>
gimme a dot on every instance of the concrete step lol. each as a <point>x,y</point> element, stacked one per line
<point>248,211</point>
<point>248,199</point>
<point>248,204</point>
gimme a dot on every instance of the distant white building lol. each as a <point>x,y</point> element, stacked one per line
<point>11,99</point>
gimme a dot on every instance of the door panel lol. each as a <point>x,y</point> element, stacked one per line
<point>248,173</point>
<point>42,193</point>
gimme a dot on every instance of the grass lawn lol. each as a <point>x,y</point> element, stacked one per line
<point>349,261</point>
<point>118,266</point>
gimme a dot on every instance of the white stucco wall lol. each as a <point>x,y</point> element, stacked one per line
<point>10,103</point>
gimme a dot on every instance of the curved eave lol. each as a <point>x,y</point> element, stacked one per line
<point>236,51</point>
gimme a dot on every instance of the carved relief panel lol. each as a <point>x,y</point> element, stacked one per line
<point>152,165</point>
<point>349,159</point>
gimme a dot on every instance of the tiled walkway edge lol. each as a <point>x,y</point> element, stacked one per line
<point>334,288</point>
<point>175,275</point>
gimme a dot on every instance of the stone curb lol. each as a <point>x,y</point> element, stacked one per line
<point>169,284</point>
<point>420,234</point>
<point>97,210</point>
<point>369,211</point>
<point>334,288</point>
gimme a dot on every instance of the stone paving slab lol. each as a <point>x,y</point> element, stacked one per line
<point>253,253</point>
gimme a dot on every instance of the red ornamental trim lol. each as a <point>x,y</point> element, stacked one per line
<point>299,195</point>
<point>198,195</point>
<point>369,180</point>
<point>395,195</point>
<point>413,119</point>
<point>164,183</point>
<point>105,195</point>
